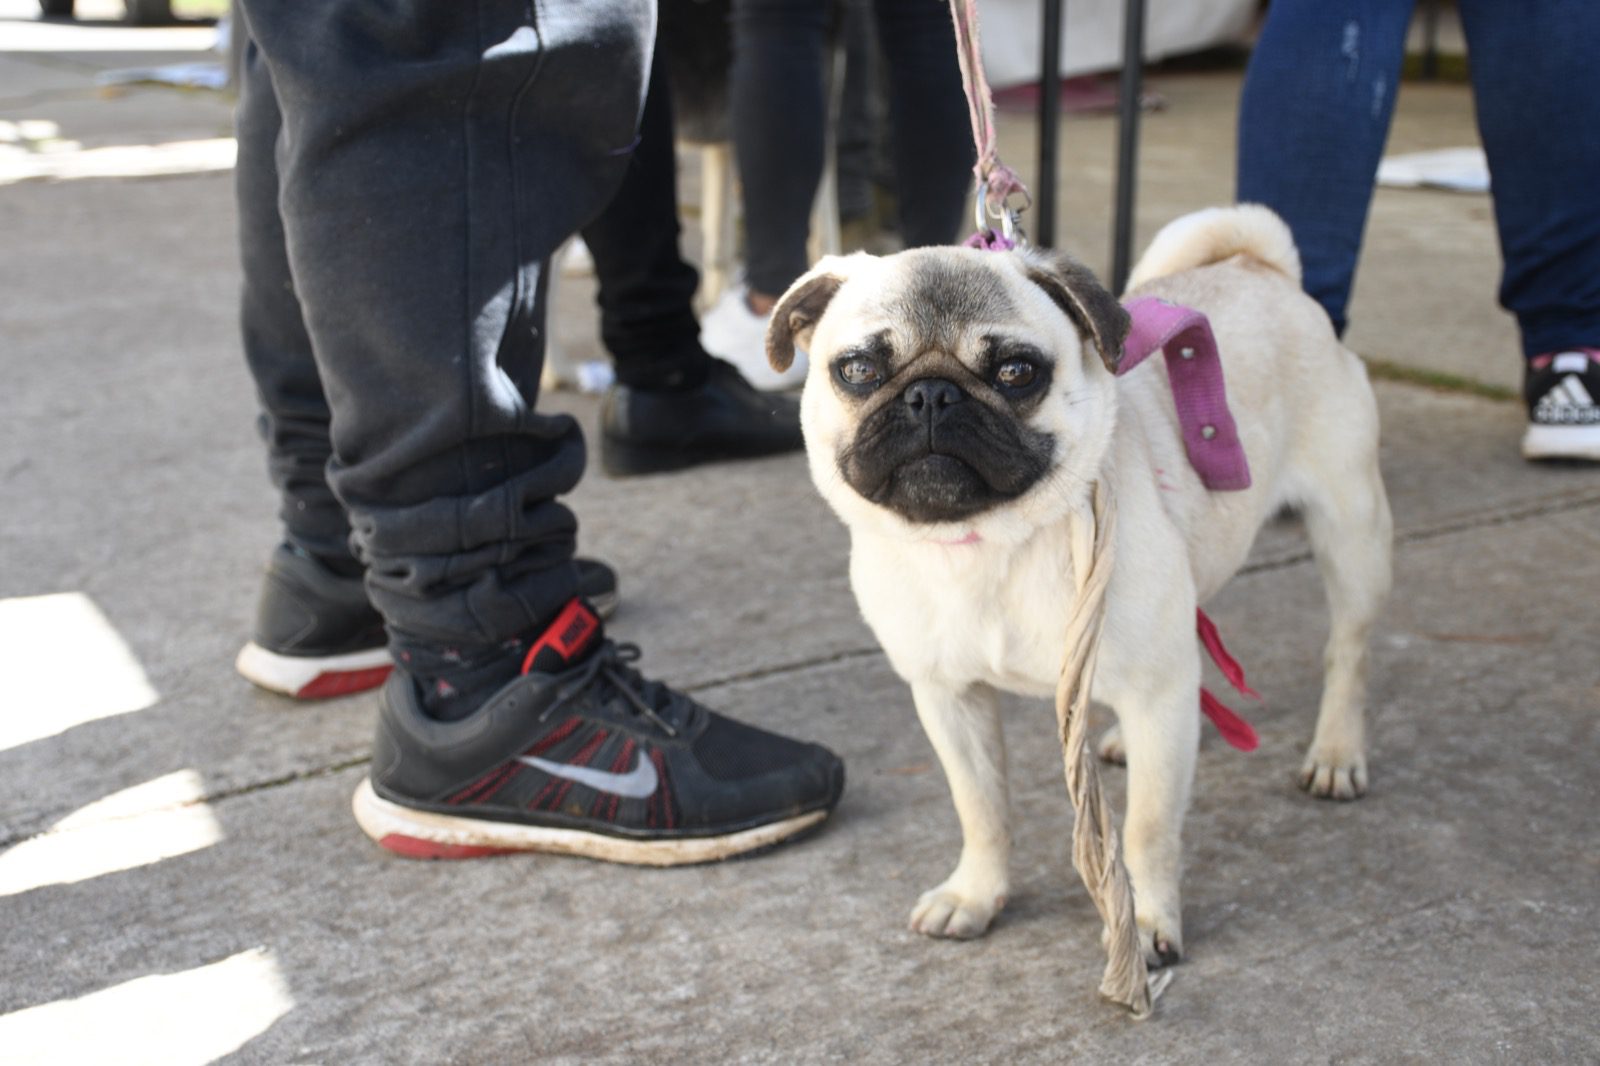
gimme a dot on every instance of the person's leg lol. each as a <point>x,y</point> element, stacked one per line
<point>1540,124</point>
<point>647,319</point>
<point>1539,115</point>
<point>294,412</point>
<point>315,634</point>
<point>855,140</point>
<point>430,159</point>
<point>933,150</point>
<point>1313,118</point>
<point>779,120</point>
<point>673,406</point>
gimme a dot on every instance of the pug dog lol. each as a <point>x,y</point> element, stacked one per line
<point>960,407</point>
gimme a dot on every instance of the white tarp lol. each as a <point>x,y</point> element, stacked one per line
<point>1091,33</point>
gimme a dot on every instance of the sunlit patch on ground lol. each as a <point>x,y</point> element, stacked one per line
<point>195,1016</point>
<point>135,827</point>
<point>34,150</point>
<point>64,665</point>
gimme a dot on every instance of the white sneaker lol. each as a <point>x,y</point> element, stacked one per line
<point>732,332</point>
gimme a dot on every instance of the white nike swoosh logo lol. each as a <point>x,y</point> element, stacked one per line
<point>637,783</point>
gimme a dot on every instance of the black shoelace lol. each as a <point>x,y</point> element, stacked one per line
<point>609,665</point>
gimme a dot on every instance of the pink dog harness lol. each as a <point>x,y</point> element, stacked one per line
<point>1183,335</point>
<point>1211,440</point>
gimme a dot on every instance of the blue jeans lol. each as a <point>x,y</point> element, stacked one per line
<point>779,117</point>
<point>405,171</point>
<point>1315,113</point>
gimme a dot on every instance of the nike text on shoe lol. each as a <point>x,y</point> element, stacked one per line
<point>580,755</point>
<point>317,636</point>
<point>1562,390</point>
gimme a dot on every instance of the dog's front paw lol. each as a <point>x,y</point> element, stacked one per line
<point>1110,747</point>
<point>948,911</point>
<point>1162,943</point>
<point>1334,774</point>
<point>1161,940</point>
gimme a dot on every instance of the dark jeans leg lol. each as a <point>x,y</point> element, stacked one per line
<point>431,157</point>
<point>1539,115</point>
<point>1318,97</point>
<point>933,150</point>
<point>647,318</point>
<point>856,139</point>
<point>294,412</point>
<point>779,117</point>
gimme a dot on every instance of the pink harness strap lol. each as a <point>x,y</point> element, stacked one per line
<point>1234,729</point>
<point>1183,335</point>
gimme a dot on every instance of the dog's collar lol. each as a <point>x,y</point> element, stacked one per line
<point>1184,336</point>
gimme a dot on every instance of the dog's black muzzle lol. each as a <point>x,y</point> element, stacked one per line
<point>937,454</point>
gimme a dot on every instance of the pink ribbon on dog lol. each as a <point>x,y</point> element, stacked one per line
<point>1234,729</point>
<point>1184,336</point>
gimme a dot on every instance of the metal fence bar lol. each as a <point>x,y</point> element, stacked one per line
<point>1049,123</point>
<point>1127,141</point>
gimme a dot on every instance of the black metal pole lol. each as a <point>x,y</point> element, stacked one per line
<point>1049,122</point>
<point>1127,141</point>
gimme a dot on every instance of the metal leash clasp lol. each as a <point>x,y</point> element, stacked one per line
<point>1009,218</point>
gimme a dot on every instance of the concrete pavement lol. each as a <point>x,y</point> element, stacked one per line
<point>181,881</point>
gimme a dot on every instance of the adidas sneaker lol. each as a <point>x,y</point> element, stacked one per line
<point>1563,394</point>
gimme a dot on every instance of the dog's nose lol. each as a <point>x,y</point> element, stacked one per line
<point>930,396</point>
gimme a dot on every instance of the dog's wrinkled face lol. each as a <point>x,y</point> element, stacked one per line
<point>949,388</point>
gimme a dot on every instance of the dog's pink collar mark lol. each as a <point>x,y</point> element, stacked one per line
<point>1184,336</point>
<point>971,538</point>
<point>1234,729</point>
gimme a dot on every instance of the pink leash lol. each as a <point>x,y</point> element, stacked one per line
<point>997,183</point>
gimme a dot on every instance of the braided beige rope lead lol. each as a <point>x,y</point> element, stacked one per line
<point>1095,845</point>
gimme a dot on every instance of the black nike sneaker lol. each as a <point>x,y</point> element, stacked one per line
<point>1563,394</point>
<point>580,755</point>
<point>317,636</point>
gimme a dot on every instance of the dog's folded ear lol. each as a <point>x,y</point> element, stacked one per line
<point>1092,308</point>
<point>798,310</point>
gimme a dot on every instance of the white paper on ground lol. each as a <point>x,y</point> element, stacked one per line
<point>1456,169</point>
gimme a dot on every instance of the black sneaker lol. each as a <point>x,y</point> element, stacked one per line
<point>1563,413</point>
<point>647,432</point>
<point>580,755</point>
<point>317,636</point>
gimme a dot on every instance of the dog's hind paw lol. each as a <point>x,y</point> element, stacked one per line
<point>1327,775</point>
<point>945,912</point>
<point>1110,748</point>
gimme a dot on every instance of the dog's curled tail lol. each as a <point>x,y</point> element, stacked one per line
<point>1215,234</point>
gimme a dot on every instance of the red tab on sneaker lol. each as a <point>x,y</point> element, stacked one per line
<point>568,639</point>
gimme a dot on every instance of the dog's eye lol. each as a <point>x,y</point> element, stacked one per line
<point>1015,374</point>
<point>859,372</point>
